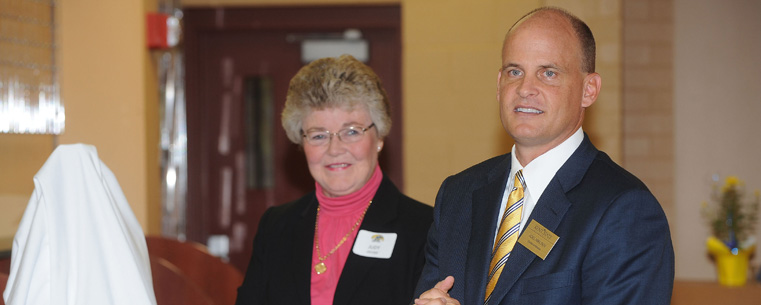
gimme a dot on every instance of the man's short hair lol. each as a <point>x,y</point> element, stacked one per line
<point>583,34</point>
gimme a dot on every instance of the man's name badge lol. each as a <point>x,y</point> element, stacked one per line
<point>538,239</point>
<point>374,244</point>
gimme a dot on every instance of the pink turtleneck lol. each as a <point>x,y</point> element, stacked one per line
<point>337,216</point>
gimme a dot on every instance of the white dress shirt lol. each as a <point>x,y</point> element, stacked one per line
<point>538,174</point>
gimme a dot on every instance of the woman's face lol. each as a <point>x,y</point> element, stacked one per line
<point>341,168</point>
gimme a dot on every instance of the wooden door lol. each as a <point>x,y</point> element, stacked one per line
<point>239,62</point>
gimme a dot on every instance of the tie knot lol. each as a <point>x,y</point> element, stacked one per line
<point>520,182</point>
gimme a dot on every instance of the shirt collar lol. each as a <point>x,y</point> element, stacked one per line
<point>539,172</point>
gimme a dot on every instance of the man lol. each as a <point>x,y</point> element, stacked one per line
<point>555,221</point>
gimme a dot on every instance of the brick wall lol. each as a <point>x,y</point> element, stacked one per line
<point>648,91</point>
<point>603,120</point>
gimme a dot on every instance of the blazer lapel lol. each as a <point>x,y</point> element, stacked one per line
<point>303,243</point>
<point>485,211</point>
<point>549,211</point>
<point>381,211</point>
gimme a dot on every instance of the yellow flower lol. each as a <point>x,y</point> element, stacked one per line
<point>731,218</point>
<point>730,183</point>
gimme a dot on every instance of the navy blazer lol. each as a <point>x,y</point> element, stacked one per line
<point>614,246</point>
<point>281,263</point>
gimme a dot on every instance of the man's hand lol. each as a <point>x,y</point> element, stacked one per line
<point>438,295</point>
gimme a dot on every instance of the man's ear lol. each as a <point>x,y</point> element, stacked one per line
<point>592,85</point>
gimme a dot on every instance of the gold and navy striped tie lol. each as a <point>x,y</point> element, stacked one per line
<point>507,235</point>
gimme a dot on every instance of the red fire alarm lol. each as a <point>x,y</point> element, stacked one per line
<point>162,31</point>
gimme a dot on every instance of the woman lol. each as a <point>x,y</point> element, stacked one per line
<point>356,239</point>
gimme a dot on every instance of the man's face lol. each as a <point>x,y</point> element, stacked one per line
<point>541,87</point>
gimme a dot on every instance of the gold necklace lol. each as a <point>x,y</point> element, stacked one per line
<point>320,268</point>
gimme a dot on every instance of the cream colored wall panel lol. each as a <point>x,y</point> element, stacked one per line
<point>717,106</point>
<point>103,86</point>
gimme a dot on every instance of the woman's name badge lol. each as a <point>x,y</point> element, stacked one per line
<point>538,239</point>
<point>374,244</point>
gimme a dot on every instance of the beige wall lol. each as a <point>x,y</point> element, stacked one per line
<point>648,94</point>
<point>451,56</point>
<point>103,83</point>
<point>20,158</point>
<point>104,77</point>
<point>717,111</point>
<point>603,121</point>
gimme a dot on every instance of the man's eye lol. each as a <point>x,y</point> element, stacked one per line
<point>514,72</point>
<point>549,73</point>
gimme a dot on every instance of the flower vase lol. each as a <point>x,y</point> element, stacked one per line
<point>731,264</point>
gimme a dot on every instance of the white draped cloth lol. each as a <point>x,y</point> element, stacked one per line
<point>79,242</point>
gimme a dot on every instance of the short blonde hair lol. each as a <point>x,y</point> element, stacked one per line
<point>342,82</point>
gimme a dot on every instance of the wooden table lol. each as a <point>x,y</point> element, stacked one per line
<point>696,293</point>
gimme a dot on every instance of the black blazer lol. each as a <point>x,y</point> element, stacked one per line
<point>614,246</point>
<point>281,263</point>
